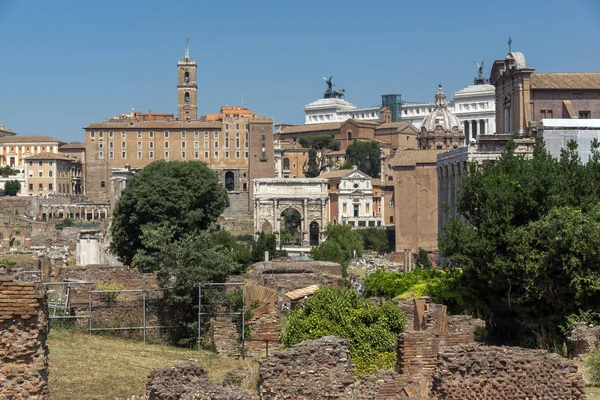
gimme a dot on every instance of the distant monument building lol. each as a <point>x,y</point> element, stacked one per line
<point>334,108</point>
<point>441,129</point>
<point>474,106</point>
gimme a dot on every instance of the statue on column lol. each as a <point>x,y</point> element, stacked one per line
<point>480,80</point>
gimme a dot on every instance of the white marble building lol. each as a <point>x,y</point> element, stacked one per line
<point>338,110</point>
<point>475,107</point>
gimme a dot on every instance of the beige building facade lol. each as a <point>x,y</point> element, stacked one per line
<point>53,174</point>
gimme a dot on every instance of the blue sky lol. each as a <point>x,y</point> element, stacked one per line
<point>64,64</point>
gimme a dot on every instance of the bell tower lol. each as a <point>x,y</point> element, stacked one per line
<point>187,102</point>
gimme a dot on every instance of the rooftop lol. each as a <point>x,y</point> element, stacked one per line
<point>565,80</point>
<point>338,173</point>
<point>73,145</point>
<point>50,156</point>
<point>28,139</point>
<point>410,158</point>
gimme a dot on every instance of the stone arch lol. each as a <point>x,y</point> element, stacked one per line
<point>291,222</point>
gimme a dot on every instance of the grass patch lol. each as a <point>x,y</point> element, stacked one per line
<point>592,393</point>
<point>95,367</point>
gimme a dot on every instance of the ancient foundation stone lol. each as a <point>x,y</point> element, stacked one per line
<point>23,332</point>
<point>188,382</point>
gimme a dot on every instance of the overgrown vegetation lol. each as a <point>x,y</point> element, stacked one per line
<point>11,188</point>
<point>592,365</point>
<point>342,244</point>
<point>444,286</point>
<point>529,243</point>
<point>266,242</point>
<point>370,329</point>
<point>7,170</point>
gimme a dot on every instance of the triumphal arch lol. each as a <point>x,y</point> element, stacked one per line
<point>275,199</point>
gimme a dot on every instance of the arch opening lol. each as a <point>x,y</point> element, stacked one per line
<point>291,232</point>
<point>229,180</point>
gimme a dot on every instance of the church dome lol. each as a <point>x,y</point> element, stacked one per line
<point>440,116</point>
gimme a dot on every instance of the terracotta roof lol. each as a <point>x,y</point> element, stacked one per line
<point>409,158</point>
<point>330,126</point>
<point>73,145</point>
<point>301,293</point>
<point>132,124</point>
<point>395,125</point>
<point>565,80</point>
<point>49,156</point>
<point>338,173</point>
<point>28,139</point>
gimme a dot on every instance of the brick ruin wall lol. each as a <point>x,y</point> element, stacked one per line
<point>23,332</point>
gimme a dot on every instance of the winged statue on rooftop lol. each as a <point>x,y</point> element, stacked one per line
<point>330,93</point>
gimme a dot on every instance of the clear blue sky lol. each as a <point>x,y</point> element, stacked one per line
<point>64,64</point>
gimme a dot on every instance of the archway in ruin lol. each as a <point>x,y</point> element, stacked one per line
<point>314,233</point>
<point>291,228</point>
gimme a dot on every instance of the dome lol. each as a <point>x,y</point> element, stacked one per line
<point>440,116</point>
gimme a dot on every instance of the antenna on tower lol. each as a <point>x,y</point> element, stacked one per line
<point>187,47</point>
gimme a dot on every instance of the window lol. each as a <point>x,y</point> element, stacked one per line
<point>151,154</point>
<point>344,208</point>
<point>206,154</point>
<point>438,147</point>
<point>584,115</point>
<point>151,145</point>
<point>100,154</point>
<point>139,134</point>
<point>186,77</point>
<point>237,126</point>
<point>367,208</point>
<point>206,145</point>
<point>111,145</point>
<point>50,163</point>
<point>111,134</point>
<point>40,174</point>
<point>139,154</point>
<point>226,154</point>
<point>186,97</point>
<point>246,154</point>
<point>286,164</point>
<point>30,173</point>
<point>263,137</point>
<point>349,134</point>
<point>183,145</point>
<point>196,145</point>
<point>111,155</point>
<point>226,126</point>
<point>92,134</point>
<point>101,144</point>
<point>139,145</point>
<point>151,134</point>
<point>31,163</point>
<point>183,134</point>
<point>123,145</point>
<point>123,154</point>
<point>102,184</point>
<point>166,154</point>
<point>50,187</point>
<point>196,134</point>
<point>216,154</point>
<point>216,134</point>
<point>196,154</point>
<point>183,154</point>
<point>123,134</point>
<point>205,134</point>
<point>166,134</point>
<point>216,145</point>
<point>237,154</point>
<point>546,114</point>
<point>391,203</point>
<point>31,187</point>
<point>391,220</point>
<point>40,187</point>
<point>101,134</point>
<point>166,145</point>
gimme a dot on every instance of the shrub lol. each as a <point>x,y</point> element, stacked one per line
<point>370,329</point>
<point>109,298</point>
<point>592,364</point>
<point>341,244</point>
<point>375,239</point>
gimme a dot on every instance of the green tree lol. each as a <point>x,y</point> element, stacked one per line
<point>240,252</point>
<point>266,242</point>
<point>341,241</point>
<point>192,259</point>
<point>422,260</point>
<point>370,329</point>
<point>175,197</point>
<point>528,242</point>
<point>366,156</point>
<point>375,239</point>
<point>317,146</point>
<point>11,188</point>
<point>7,170</point>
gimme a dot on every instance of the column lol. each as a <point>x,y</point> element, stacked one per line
<point>323,215</point>
<point>304,227</point>
<point>473,129</point>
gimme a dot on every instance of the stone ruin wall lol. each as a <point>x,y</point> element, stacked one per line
<point>23,332</point>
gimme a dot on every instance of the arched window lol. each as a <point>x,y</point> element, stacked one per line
<point>187,97</point>
<point>349,135</point>
<point>229,180</point>
<point>102,184</point>
<point>186,77</point>
<point>286,164</point>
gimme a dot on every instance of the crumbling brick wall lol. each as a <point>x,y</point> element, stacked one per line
<point>584,338</point>
<point>313,369</point>
<point>23,332</point>
<point>485,372</point>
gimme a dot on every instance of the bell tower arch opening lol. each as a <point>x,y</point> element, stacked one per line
<point>187,89</point>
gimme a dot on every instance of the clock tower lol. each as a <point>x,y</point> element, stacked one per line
<point>187,102</point>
